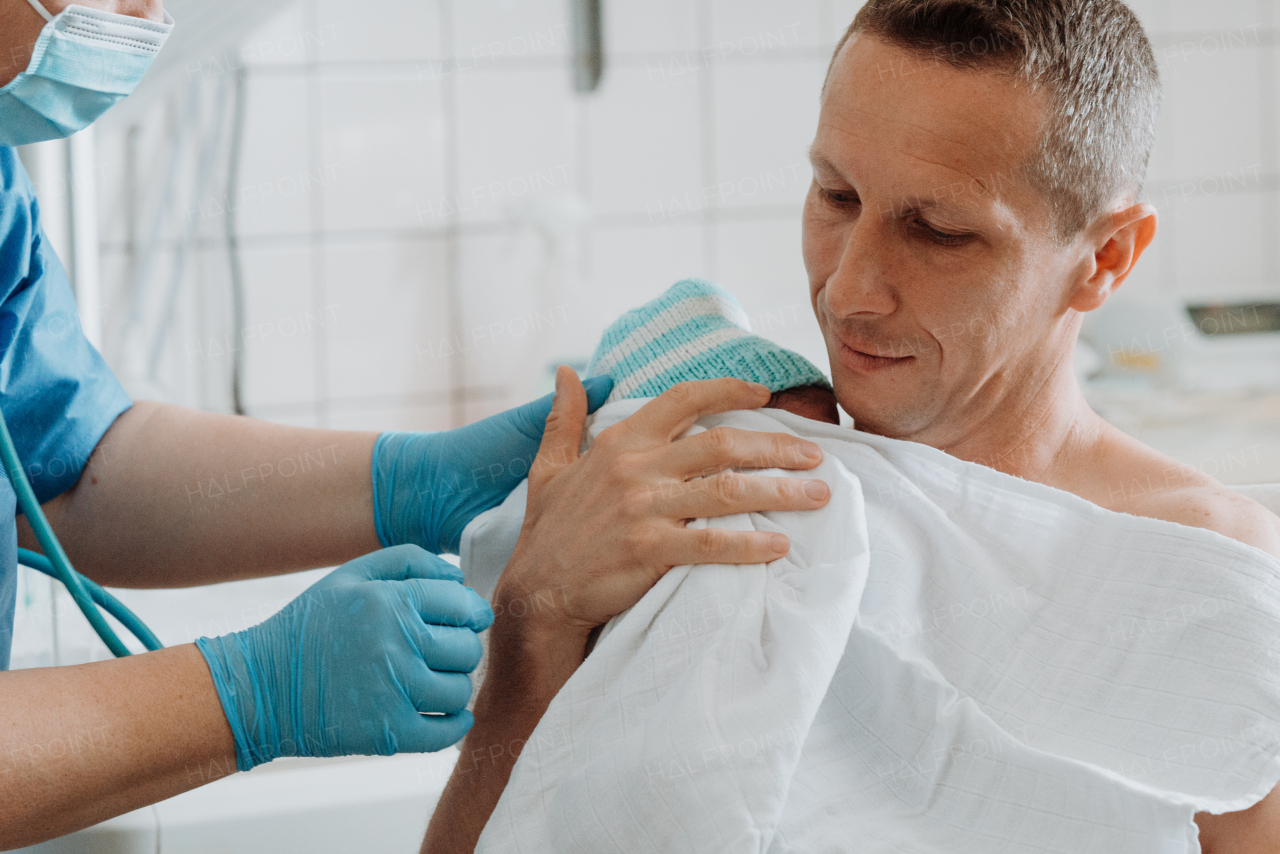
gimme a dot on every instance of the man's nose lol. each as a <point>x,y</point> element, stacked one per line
<point>861,284</point>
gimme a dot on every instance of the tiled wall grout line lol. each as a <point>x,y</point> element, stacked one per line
<point>453,230</point>
<point>316,215</point>
<point>1269,127</point>
<point>707,142</point>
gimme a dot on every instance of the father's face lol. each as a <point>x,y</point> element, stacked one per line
<point>932,263</point>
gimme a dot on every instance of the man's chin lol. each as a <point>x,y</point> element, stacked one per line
<point>894,418</point>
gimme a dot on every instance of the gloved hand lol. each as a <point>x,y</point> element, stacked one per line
<point>428,486</point>
<point>351,665</point>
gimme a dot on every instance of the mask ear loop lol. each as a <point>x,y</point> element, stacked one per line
<point>39,7</point>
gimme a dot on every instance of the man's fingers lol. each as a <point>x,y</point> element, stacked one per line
<point>563,436</point>
<point>728,493</point>
<point>725,447</point>
<point>666,417</point>
<point>717,545</point>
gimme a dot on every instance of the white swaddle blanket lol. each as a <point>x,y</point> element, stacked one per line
<point>950,660</point>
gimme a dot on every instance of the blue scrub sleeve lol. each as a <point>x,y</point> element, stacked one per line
<point>57,393</point>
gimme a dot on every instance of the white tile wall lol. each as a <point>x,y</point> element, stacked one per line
<point>631,264</point>
<point>754,168</point>
<point>839,15</point>
<point>346,32</point>
<point>299,35</point>
<point>381,136</point>
<point>516,312</point>
<point>1204,18</point>
<point>755,28</point>
<point>535,107</point>
<point>277,181</point>
<point>494,30</point>
<point>285,330</point>
<point>1203,96</point>
<point>1218,240</point>
<point>645,141</point>
<point>386,161</point>
<point>390,304</point>
<point>652,27</point>
<point>762,260</point>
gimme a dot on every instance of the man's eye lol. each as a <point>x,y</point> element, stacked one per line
<point>943,238</point>
<point>838,200</point>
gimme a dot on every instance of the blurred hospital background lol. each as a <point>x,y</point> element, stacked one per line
<point>402,220</point>
<point>403,215</point>
<point>321,215</point>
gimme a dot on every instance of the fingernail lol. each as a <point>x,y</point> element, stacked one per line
<point>816,490</point>
<point>559,382</point>
<point>761,388</point>
<point>780,544</point>
<point>811,451</point>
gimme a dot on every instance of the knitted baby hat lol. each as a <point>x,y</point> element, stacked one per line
<point>695,331</point>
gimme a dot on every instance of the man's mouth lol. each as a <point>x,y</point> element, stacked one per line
<point>865,359</point>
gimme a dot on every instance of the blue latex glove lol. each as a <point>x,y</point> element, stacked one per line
<point>348,667</point>
<point>428,486</point>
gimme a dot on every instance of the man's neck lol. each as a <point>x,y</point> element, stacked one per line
<point>1044,435</point>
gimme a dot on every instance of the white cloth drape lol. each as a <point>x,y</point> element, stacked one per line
<point>950,660</point>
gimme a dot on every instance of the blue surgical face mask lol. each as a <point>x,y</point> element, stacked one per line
<point>85,61</point>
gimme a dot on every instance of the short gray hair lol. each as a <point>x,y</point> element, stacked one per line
<point>1094,57</point>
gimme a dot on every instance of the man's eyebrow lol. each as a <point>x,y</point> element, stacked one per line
<point>924,204</point>
<point>955,197</point>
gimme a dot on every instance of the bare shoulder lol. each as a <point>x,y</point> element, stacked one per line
<point>1143,482</point>
<point>1162,488</point>
<point>1215,508</point>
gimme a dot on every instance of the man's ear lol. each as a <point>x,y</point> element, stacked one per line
<point>1119,240</point>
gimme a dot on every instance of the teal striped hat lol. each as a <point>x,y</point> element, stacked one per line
<point>695,331</point>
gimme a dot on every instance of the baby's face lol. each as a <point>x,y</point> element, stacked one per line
<point>811,401</point>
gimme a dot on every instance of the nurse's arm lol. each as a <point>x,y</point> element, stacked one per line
<point>174,497</point>
<point>81,744</point>
<point>20,26</point>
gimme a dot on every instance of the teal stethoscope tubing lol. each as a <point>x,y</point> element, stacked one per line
<point>87,595</point>
<point>102,598</point>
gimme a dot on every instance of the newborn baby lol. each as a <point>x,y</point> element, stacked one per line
<point>694,331</point>
<point>947,656</point>
<point>698,331</point>
<point>815,402</point>
<point>948,659</point>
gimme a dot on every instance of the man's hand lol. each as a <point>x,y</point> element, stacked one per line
<point>600,530</point>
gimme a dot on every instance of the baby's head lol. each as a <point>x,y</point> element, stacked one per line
<point>817,402</point>
<point>698,331</point>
